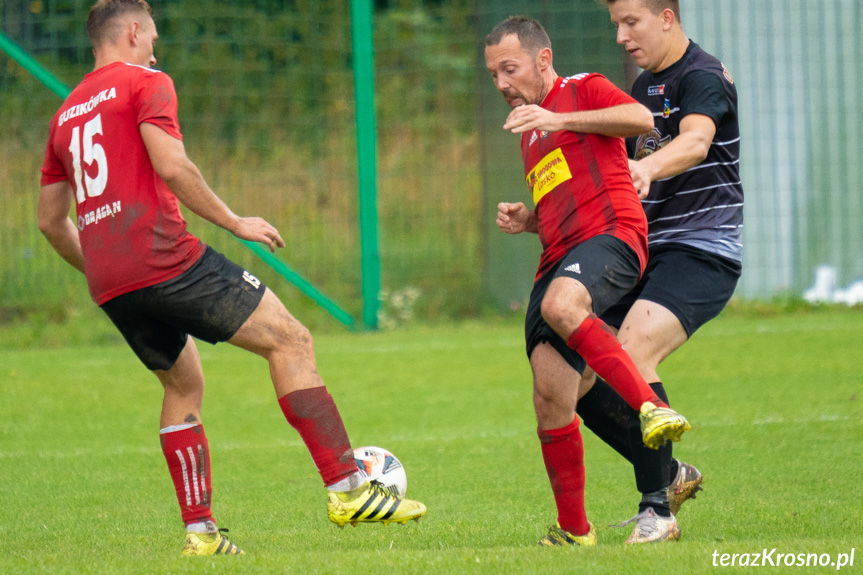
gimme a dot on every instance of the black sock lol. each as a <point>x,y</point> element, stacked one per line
<point>612,420</point>
<point>658,500</point>
<point>659,390</point>
<point>606,414</point>
<point>651,465</point>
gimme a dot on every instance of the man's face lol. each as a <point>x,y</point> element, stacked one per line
<point>515,73</point>
<point>640,31</point>
<point>147,37</point>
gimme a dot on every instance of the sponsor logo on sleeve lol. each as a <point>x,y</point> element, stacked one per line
<point>726,73</point>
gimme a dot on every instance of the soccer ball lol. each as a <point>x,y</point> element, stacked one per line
<point>381,466</point>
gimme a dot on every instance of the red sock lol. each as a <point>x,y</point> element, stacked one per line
<point>314,414</point>
<point>597,344</point>
<point>563,453</point>
<point>188,455</point>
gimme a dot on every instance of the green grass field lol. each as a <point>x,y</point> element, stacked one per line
<point>776,404</point>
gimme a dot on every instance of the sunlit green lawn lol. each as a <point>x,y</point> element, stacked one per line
<point>776,404</point>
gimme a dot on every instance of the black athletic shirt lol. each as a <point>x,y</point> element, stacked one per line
<point>702,207</point>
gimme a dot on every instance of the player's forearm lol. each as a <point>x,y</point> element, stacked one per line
<point>680,154</point>
<point>627,120</point>
<point>532,223</point>
<point>187,183</point>
<point>63,237</point>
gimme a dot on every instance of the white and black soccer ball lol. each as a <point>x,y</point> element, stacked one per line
<point>381,466</point>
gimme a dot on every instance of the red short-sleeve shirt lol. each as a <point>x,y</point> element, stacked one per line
<point>132,232</point>
<point>580,182</point>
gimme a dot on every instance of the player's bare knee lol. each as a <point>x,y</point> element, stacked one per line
<point>561,314</point>
<point>553,311</point>
<point>541,405</point>
<point>551,410</point>
<point>544,395</point>
<point>183,387</point>
<point>294,336</point>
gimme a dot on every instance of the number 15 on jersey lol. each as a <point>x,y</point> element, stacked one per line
<point>84,148</point>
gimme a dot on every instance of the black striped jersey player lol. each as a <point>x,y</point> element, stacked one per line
<point>686,173</point>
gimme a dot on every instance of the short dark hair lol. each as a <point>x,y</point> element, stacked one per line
<point>102,23</point>
<point>657,6</point>
<point>530,33</point>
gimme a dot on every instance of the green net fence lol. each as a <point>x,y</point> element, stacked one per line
<point>266,99</point>
<point>267,110</point>
<point>266,107</point>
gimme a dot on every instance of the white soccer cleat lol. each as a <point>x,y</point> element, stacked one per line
<point>650,528</point>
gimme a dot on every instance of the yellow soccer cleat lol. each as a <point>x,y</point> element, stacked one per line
<point>209,544</point>
<point>659,424</point>
<point>557,536</point>
<point>371,503</point>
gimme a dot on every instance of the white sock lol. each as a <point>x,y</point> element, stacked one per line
<point>348,483</point>
<point>172,428</point>
<point>201,527</point>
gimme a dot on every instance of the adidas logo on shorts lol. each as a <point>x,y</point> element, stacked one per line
<point>574,268</point>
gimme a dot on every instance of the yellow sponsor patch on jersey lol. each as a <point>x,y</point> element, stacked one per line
<point>547,174</point>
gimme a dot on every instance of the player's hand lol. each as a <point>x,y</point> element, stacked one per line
<point>640,172</point>
<point>258,230</point>
<point>513,218</point>
<point>531,117</point>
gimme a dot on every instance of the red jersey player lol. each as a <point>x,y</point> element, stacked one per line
<point>116,152</point>
<point>593,233</point>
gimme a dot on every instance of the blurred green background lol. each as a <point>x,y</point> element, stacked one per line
<point>266,106</point>
<point>267,109</point>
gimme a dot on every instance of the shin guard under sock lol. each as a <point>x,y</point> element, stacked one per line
<point>600,348</point>
<point>313,413</point>
<point>187,453</point>
<point>605,413</point>
<point>563,453</point>
<point>651,465</point>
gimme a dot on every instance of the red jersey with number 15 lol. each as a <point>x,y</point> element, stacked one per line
<point>132,233</point>
<point>580,182</point>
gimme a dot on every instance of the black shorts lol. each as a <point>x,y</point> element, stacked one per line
<point>211,301</point>
<point>605,265</point>
<point>693,284</point>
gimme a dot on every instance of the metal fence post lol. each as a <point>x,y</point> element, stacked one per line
<point>362,43</point>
